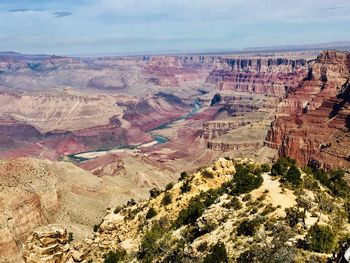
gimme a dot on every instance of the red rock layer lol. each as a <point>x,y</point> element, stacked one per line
<point>313,120</point>
<point>259,76</point>
<point>177,70</point>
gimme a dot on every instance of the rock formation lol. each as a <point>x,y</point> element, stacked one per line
<point>313,120</point>
<point>258,75</point>
<point>35,192</point>
<point>48,244</point>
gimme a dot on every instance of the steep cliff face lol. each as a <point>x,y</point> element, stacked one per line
<point>313,120</point>
<point>37,192</point>
<point>258,75</point>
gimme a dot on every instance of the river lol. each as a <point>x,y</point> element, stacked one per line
<point>157,139</point>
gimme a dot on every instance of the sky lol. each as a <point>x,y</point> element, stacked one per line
<point>77,27</point>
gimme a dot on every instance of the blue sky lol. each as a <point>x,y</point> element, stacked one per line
<point>123,26</point>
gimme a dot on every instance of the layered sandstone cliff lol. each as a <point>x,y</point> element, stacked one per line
<point>313,120</point>
<point>37,192</point>
<point>271,76</point>
<point>178,71</point>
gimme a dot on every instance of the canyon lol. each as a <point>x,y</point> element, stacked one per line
<point>121,126</point>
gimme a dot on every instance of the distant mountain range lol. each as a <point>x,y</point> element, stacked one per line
<point>337,45</point>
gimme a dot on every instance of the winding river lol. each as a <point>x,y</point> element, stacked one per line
<point>157,139</point>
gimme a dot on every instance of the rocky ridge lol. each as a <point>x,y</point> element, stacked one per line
<point>191,218</point>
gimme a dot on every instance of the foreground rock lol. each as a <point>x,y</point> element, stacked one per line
<point>35,192</point>
<point>205,213</point>
<point>48,244</point>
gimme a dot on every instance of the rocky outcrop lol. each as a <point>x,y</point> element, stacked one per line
<point>312,121</point>
<point>213,129</point>
<point>223,147</point>
<point>122,232</point>
<point>34,193</point>
<point>48,244</point>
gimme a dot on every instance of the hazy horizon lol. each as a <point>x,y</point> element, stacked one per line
<point>155,26</point>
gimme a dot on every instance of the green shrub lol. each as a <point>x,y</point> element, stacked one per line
<point>265,167</point>
<point>234,203</point>
<point>247,198</point>
<point>217,254</point>
<point>246,179</point>
<point>281,166</point>
<point>70,237</point>
<point>154,192</point>
<point>339,186</point>
<point>176,254</point>
<point>207,174</point>
<point>293,216</point>
<point>169,186</point>
<point>323,178</point>
<point>202,246</point>
<point>246,257</point>
<point>321,239</point>
<point>248,227</point>
<point>334,181</point>
<point>261,197</point>
<point>196,207</point>
<point>307,170</point>
<point>151,213</point>
<point>293,176</point>
<point>347,209</point>
<point>183,176</point>
<point>118,209</point>
<point>268,209</point>
<point>167,199</point>
<point>185,187</point>
<point>131,202</point>
<point>310,183</point>
<point>149,244</point>
<point>96,227</point>
<point>114,256</point>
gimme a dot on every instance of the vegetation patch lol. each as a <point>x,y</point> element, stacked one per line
<point>217,254</point>
<point>321,239</point>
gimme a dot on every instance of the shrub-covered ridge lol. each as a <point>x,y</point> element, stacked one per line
<point>232,211</point>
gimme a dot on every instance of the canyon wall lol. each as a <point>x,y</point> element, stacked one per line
<point>250,90</point>
<point>313,121</point>
<point>270,76</point>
